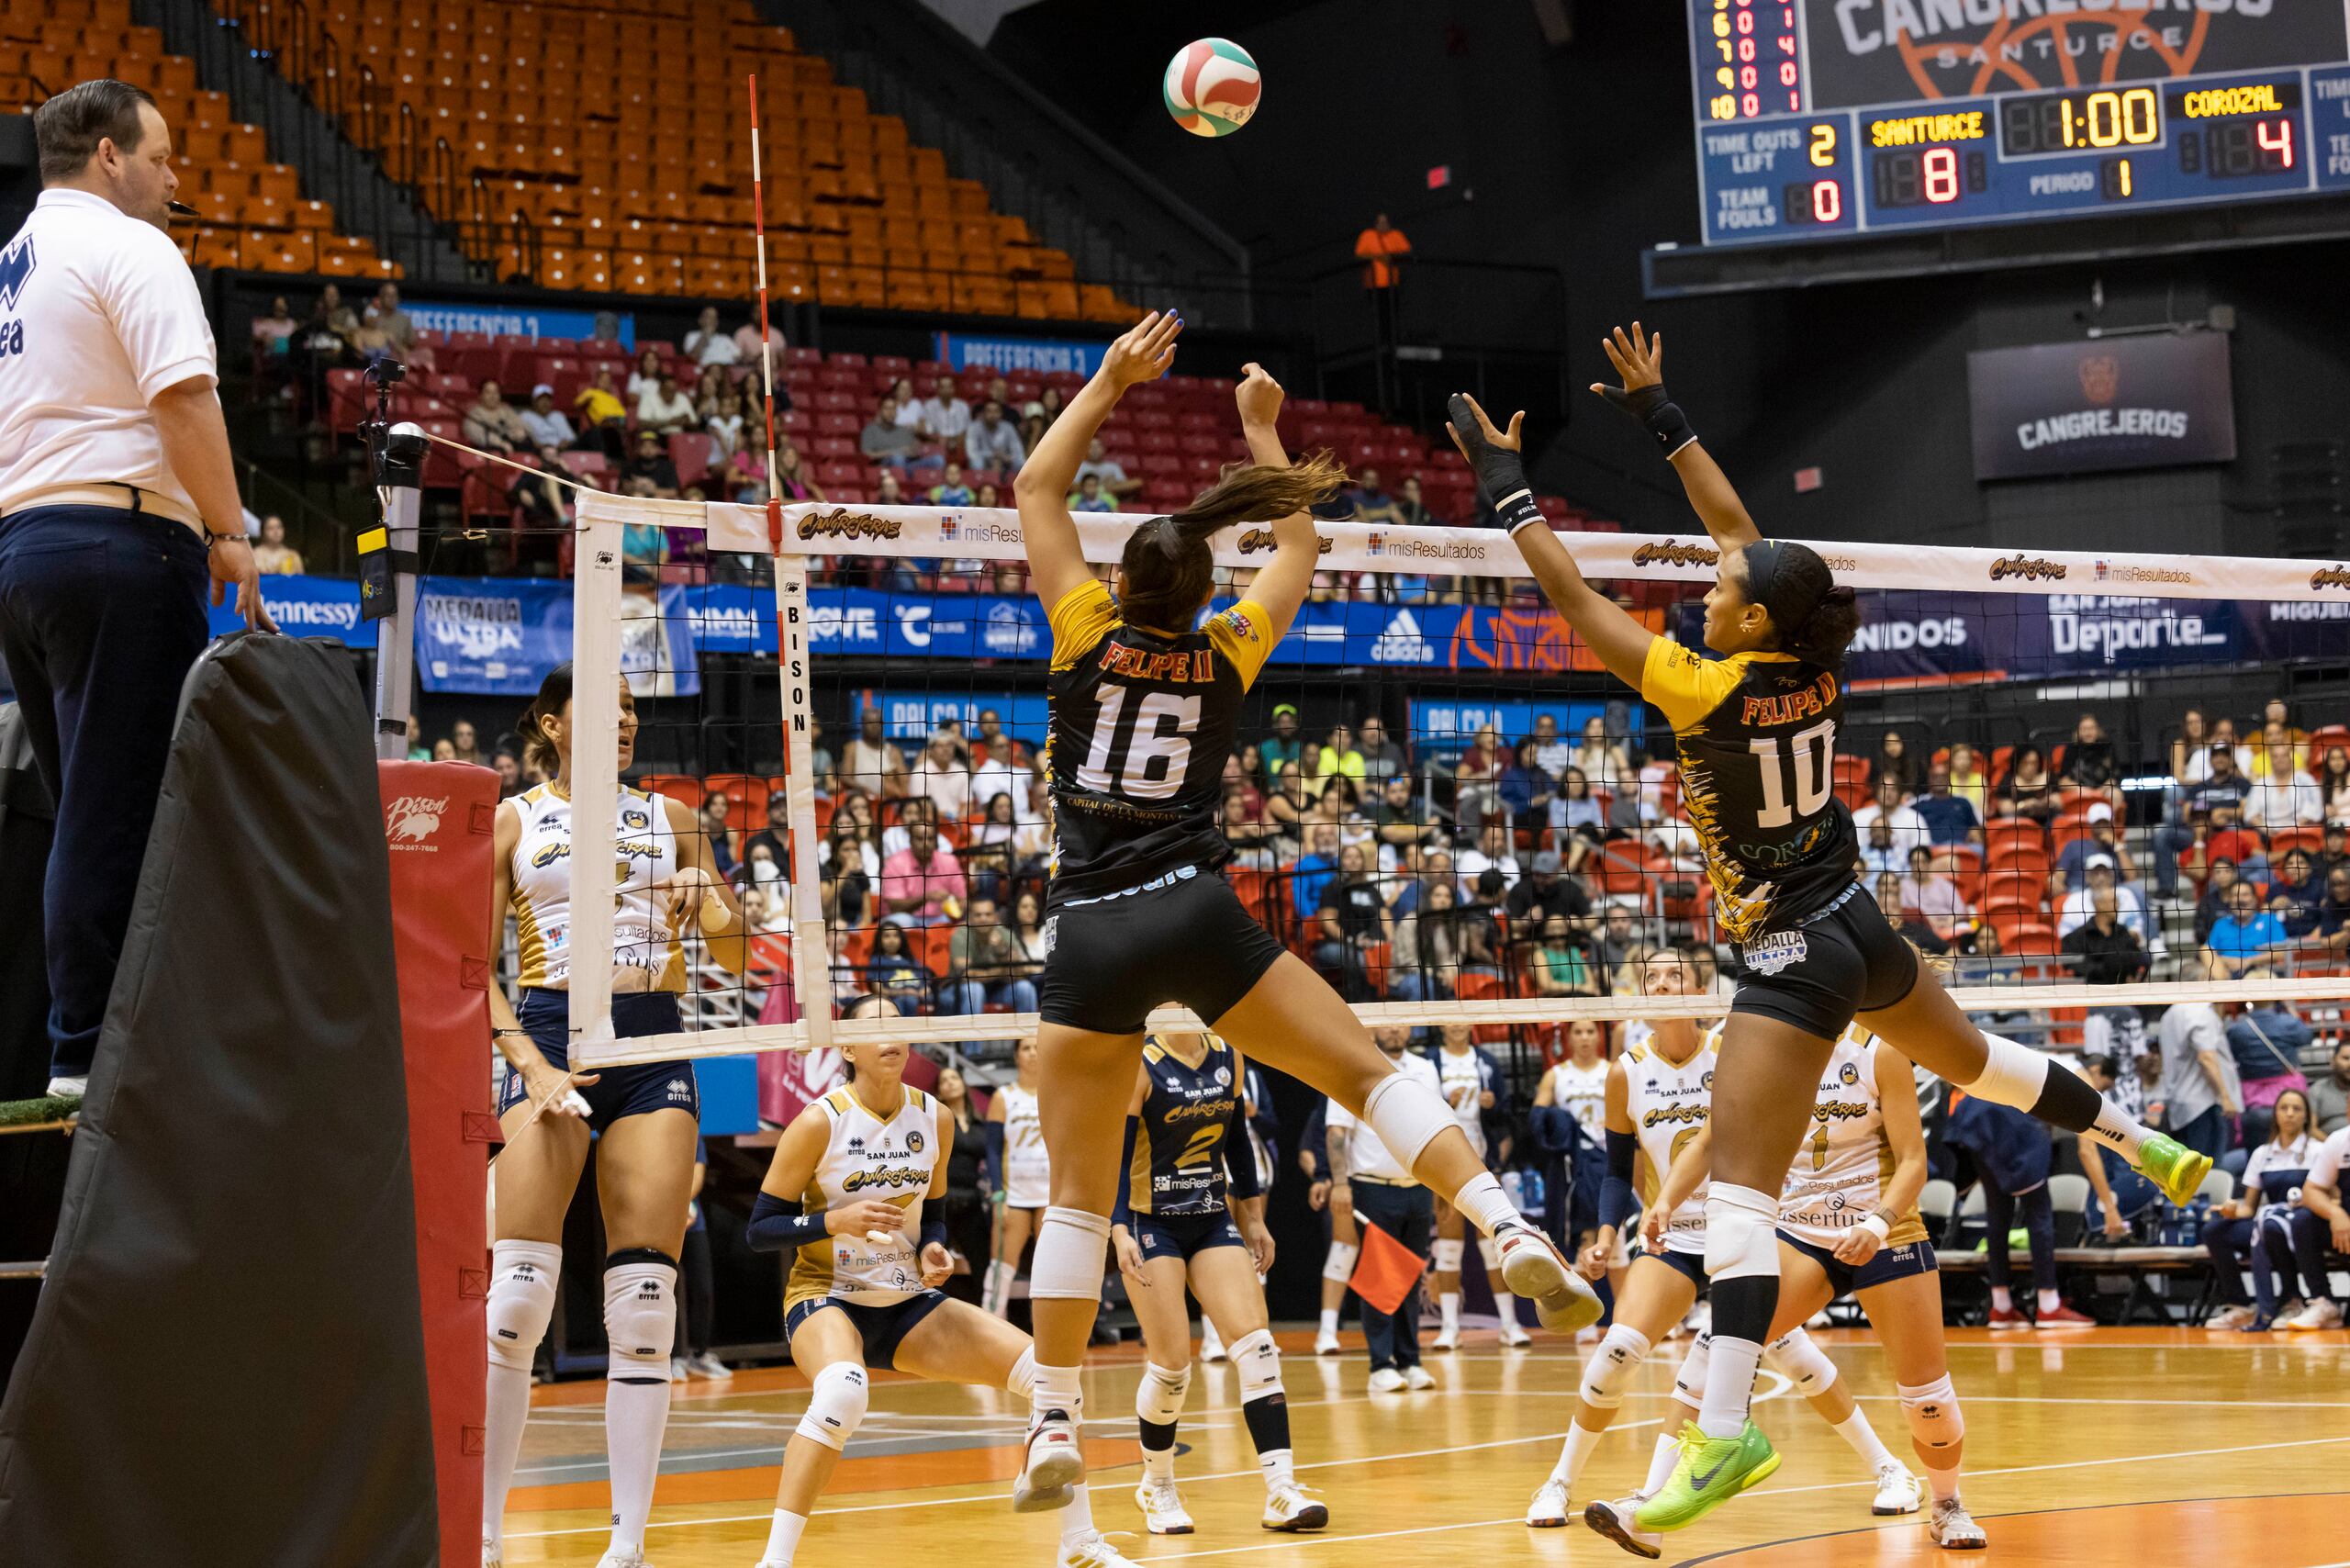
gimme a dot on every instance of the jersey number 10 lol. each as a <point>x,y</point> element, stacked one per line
<point>1156,751</point>
<point>1811,749</point>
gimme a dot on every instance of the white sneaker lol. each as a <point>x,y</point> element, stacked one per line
<point>493,1553</point>
<point>2320,1314</point>
<point>1514,1334</point>
<point>1446,1339</point>
<point>1210,1342</point>
<point>1615,1520</point>
<point>2229,1317</point>
<point>1325,1344</point>
<point>634,1557</point>
<point>1564,1299</point>
<point>1290,1508</point>
<point>1092,1549</point>
<point>74,1088</point>
<point>1897,1491</point>
<point>677,1373</point>
<point>1162,1507</point>
<point>1055,1464</point>
<point>1387,1379</point>
<point>1951,1528</point>
<point>707,1365</point>
<point>1416,1377</point>
<point>1549,1510</point>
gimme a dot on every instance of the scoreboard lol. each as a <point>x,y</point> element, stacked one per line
<point>1825,117</point>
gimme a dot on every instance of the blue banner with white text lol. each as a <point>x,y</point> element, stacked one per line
<point>501,635</point>
<point>304,607</point>
<point>512,321</point>
<point>1019,356</point>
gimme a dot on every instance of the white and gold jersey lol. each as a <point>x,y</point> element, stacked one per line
<point>1455,1072</point>
<point>866,1157</point>
<point>645,952</point>
<point>1669,1106</point>
<point>1581,1092</point>
<point>1841,1171</point>
<point>1027,1177</point>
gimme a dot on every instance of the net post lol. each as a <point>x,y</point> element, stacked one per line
<point>388,581</point>
<point>595,768</point>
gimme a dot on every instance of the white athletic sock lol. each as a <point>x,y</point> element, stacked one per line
<point>1279,1466</point>
<point>1575,1452</point>
<point>1077,1519</point>
<point>1487,1206</point>
<point>1448,1309</point>
<point>1059,1388</point>
<point>1730,1380</point>
<point>2127,1135</point>
<point>999,1293</point>
<point>1661,1462</point>
<point>2049,1302</point>
<point>1159,1465</point>
<point>1945,1482</point>
<point>2000,1300</point>
<point>1504,1304</point>
<point>1329,1320</point>
<point>1855,1430</point>
<point>636,1389</point>
<point>783,1539</point>
<point>502,1420</point>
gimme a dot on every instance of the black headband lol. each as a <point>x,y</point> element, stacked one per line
<point>1789,605</point>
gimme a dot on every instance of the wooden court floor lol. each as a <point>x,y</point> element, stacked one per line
<point>2141,1448</point>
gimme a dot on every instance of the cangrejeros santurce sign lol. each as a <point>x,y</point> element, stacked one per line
<point>2135,402</point>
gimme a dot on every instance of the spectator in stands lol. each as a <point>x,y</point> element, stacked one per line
<point>2230,839</point>
<point>646,378</point>
<point>2333,909</point>
<point>2120,1195</point>
<point>1905,921</point>
<point>602,415</point>
<point>2282,795</point>
<point>2199,1091</point>
<point>546,423</point>
<point>1381,248</point>
<point>2099,873</point>
<point>1109,470</point>
<point>1350,919</point>
<point>2191,753</point>
<point>2089,762</point>
<point>886,442</point>
<point>2332,772</point>
<point>1577,826</point>
<point>791,474</point>
<point>1283,745</point>
<point>1398,817</point>
<point>706,344</point>
<point>849,861</point>
<point>1929,890</point>
<point>1337,757</point>
<point>328,340</point>
<point>2028,790</point>
<point>923,884</point>
<point>1314,869</point>
<point>1476,782</point>
<point>1544,895</point>
<point>1091,497</point>
<point>708,387</point>
<point>1031,428</point>
<point>2223,784</point>
<point>2274,733</point>
<point>1880,856</point>
<point>465,744</point>
<point>1950,817</point>
<point>2294,896</point>
<point>1908,827</point>
<point>272,555</point>
<point>664,409</point>
<point>2244,944</point>
<point>2330,1095</point>
<point>393,324</point>
<point>871,763</point>
<point>953,490</point>
<point>1602,761</point>
<point>2267,1039</point>
<point>2261,1221</point>
<point>540,494</point>
<point>894,972</point>
<point>651,462</point>
<point>1563,965</point>
<point>2212,907</point>
<point>1894,761</point>
<point>1968,779</point>
<point>2073,859</point>
<point>1495,850</point>
<point>717,807</point>
<point>942,417</point>
<point>991,442</point>
<point>2102,950</point>
<point>1617,938</point>
<point>942,776</point>
<point>1367,500</point>
<point>493,424</point>
<point>1382,758</point>
<point>1285,805</point>
<point>1525,791</point>
<point>1426,943</point>
<point>987,966</point>
<point>724,424</point>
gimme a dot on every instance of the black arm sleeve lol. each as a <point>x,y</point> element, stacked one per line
<point>1240,1155</point>
<point>1124,1213</point>
<point>994,1135</point>
<point>1616,1199</point>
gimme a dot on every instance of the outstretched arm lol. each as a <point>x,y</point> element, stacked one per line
<point>1282,586</point>
<point>1638,359</point>
<point>1621,642</point>
<point>1056,559</point>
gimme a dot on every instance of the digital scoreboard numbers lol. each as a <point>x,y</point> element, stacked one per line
<point>1777,165</point>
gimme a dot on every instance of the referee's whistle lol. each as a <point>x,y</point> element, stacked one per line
<point>181,209</point>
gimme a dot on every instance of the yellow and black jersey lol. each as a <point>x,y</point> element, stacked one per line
<point>1141,724</point>
<point>1756,735</point>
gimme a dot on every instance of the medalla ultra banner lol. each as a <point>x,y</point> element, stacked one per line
<point>1891,51</point>
<point>2120,403</point>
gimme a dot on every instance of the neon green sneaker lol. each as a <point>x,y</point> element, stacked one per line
<point>2177,1170</point>
<point>1710,1472</point>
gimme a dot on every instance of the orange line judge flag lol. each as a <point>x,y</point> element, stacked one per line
<point>1386,1272</point>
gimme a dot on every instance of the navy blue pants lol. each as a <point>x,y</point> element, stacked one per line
<point>1408,1213</point>
<point>101,615</point>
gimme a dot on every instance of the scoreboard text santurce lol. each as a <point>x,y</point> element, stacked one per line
<point>1819,117</point>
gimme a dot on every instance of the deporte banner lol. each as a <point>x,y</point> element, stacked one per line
<point>2145,402</point>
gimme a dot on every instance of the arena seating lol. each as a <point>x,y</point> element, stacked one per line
<point>251,211</point>
<point>626,168</point>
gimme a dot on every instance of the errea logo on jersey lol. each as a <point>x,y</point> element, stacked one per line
<point>409,821</point>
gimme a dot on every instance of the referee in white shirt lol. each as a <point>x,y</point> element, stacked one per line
<point>117,499</point>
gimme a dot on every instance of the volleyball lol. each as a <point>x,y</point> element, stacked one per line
<point>1212,87</point>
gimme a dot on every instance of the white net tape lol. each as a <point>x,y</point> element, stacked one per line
<point>993,535</point>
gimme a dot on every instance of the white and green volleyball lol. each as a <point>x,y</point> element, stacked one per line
<point>1212,87</point>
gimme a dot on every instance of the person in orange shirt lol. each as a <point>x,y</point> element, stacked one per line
<point>1382,248</point>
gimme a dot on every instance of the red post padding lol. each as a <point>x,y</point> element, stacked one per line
<point>440,820</point>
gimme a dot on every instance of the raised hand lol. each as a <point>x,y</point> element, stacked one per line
<point>1639,360</point>
<point>1259,395</point>
<point>1467,423</point>
<point>1144,353</point>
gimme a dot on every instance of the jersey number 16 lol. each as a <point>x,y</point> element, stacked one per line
<point>1810,750</point>
<point>1151,757</point>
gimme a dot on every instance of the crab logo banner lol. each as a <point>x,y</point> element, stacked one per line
<point>2120,403</point>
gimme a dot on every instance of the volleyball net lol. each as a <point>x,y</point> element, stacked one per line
<point>1441,801</point>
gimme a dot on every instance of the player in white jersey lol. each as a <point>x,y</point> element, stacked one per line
<point>646,1116</point>
<point>1021,1176</point>
<point>1578,1087</point>
<point>845,1195</point>
<point>1471,1082</point>
<point>1848,1223</point>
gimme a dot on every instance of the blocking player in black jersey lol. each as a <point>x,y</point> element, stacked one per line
<point>1180,1221</point>
<point>1756,734</point>
<point>1144,711</point>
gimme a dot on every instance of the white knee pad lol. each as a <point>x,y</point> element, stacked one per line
<point>2013,1074</point>
<point>1609,1370</point>
<point>1449,1255</point>
<point>1742,1231</point>
<point>836,1404</point>
<point>1339,1263</point>
<point>1803,1363</point>
<point>1159,1397</point>
<point>1689,1383</point>
<point>1259,1360</point>
<point>1935,1418</point>
<point>522,1277</point>
<point>1407,1115</point>
<point>640,1315</point>
<point>1021,1378</point>
<point>1490,1250</point>
<point>1071,1247</point>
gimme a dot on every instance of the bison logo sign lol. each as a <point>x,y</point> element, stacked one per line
<point>411,820</point>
